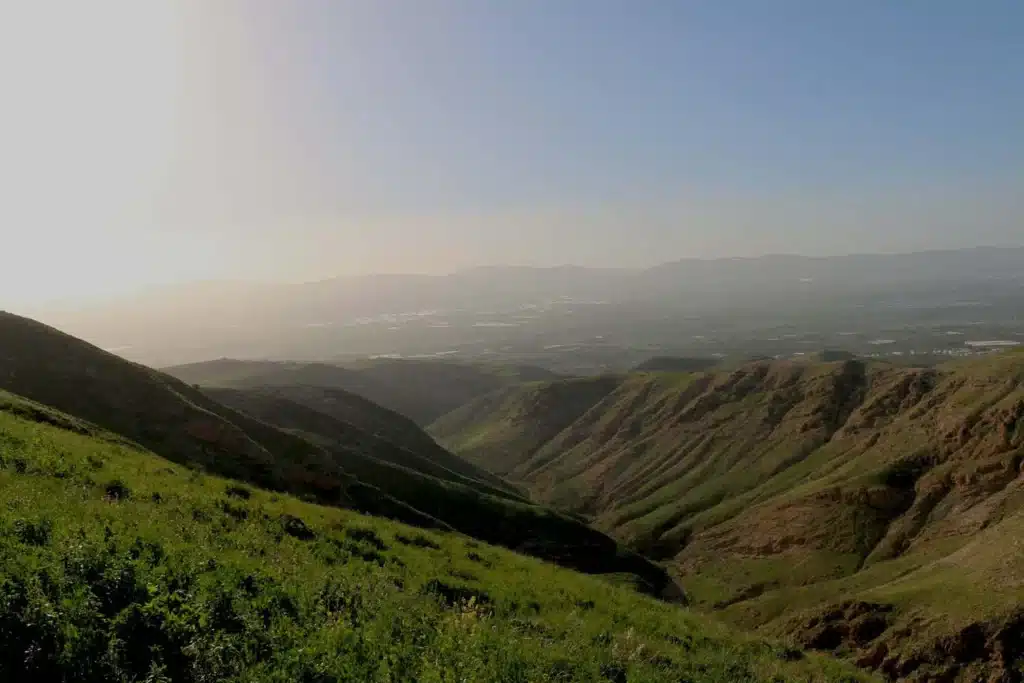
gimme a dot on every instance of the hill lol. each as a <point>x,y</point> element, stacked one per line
<point>503,430</point>
<point>119,565</point>
<point>353,468</point>
<point>419,389</point>
<point>864,508</point>
<point>336,418</point>
<point>675,364</point>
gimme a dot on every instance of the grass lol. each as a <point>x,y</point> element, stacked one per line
<point>118,565</point>
<point>527,417</point>
<point>387,467</point>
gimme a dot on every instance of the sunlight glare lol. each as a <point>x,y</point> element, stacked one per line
<point>92,93</point>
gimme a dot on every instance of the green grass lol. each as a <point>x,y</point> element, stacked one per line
<point>720,584</point>
<point>504,429</point>
<point>309,447</point>
<point>118,565</point>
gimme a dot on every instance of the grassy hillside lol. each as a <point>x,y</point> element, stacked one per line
<point>781,492</point>
<point>419,389</point>
<point>118,565</point>
<point>505,428</point>
<point>385,435</point>
<point>348,468</point>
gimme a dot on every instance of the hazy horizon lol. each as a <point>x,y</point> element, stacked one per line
<point>33,307</point>
<point>171,142</point>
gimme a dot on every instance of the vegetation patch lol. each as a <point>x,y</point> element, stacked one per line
<point>117,490</point>
<point>417,540</point>
<point>236,491</point>
<point>296,528</point>
<point>164,591</point>
<point>367,536</point>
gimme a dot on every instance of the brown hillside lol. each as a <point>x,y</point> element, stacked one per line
<point>779,489</point>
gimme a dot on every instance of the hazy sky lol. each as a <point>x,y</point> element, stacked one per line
<point>154,141</point>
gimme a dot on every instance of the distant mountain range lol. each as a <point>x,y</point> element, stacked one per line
<point>316,320</point>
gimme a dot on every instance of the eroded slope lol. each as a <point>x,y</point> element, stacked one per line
<point>780,489</point>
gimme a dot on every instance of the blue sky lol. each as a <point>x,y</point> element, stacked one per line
<point>340,136</point>
<point>490,103</point>
<point>617,116</point>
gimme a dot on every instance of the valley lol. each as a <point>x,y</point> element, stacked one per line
<point>470,341</point>
<point>119,565</point>
<point>920,308</point>
<point>826,486</point>
<point>796,498</point>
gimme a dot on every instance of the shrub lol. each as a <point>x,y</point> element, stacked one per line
<point>296,528</point>
<point>368,536</point>
<point>236,491</point>
<point>33,533</point>
<point>417,541</point>
<point>117,490</point>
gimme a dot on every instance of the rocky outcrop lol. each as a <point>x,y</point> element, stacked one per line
<point>990,651</point>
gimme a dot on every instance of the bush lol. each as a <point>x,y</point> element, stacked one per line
<point>417,541</point>
<point>296,528</point>
<point>117,490</point>
<point>236,491</point>
<point>33,533</point>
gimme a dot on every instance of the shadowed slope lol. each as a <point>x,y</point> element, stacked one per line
<point>428,458</point>
<point>419,389</point>
<point>183,424</point>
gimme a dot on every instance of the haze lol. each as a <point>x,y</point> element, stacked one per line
<point>155,142</point>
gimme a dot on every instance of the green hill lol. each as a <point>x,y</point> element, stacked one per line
<point>422,390</point>
<point>119,565</point>
<point>349,467</point>
<point>502,430</point>
<point>864,508</point>
<point>320,415</point>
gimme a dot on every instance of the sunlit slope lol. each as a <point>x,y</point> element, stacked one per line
<point>119,565</point>
<point>781,487</point>
<point>503,430</point>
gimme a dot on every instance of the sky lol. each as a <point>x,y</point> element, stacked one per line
<point>145,143</point>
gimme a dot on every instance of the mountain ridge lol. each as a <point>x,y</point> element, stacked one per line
<point>313,321</point>
<point>780,491</point>
<point>421,390</point>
